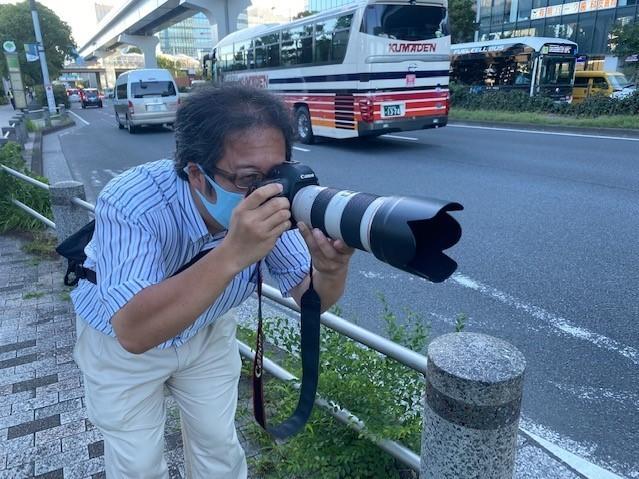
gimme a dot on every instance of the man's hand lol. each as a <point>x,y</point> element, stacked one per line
<point>330,257</point>
<point>330,262</point>
<point>256,224</point>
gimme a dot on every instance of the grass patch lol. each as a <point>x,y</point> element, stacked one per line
<point>613,121</point>
<point>41,245</point>
<point>33,126</point>
<point>386,395</point>
<point>33,295</point>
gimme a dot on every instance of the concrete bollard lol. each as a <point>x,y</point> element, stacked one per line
<point>47,117</point>
<point>68,217</point>
<point>21,128</point>
<point>474,385</point>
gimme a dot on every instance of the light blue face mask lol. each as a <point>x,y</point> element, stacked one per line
<point>225,202</point>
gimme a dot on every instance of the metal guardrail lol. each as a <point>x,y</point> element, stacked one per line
<point>332,321</point>
<point>453,439</point>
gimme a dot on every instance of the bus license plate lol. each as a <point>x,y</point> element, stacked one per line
<point>393,110</point>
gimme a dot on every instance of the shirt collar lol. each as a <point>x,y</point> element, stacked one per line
<point>194,221</point>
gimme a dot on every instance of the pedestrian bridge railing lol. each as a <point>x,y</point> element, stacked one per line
<point>472,382</point>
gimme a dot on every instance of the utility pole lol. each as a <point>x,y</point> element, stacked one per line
<point>48,89</point>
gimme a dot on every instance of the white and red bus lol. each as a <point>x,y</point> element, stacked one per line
<point>368,68</point>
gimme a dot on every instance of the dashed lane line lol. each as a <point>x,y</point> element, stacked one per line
<point>79,117</point>
<point>397,137</point>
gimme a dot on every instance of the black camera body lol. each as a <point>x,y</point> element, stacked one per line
<point>292,175</point>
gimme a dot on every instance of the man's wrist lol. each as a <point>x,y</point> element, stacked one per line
<point>227,262</point>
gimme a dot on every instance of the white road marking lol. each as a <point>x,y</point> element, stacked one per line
<point>298,148</point>
<point>556,322</point>
<point>538,132</point>
<point>397,137</point>
<point>578,463</point>
<point>79,117</point>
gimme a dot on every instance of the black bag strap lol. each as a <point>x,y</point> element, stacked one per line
<point>81,272</point>
<point>310,333</point>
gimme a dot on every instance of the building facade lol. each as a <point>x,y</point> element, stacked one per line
<point>587,22</point>
<point>192,37</point>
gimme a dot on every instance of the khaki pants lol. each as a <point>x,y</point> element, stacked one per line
<point>124,395</point>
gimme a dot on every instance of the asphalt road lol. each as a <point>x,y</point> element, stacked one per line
<point>549,258</point>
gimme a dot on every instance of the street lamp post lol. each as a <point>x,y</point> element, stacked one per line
<point>43,59</point>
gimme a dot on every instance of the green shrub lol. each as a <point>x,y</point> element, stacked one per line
<point>11,217</point>
<point>59,93</point>
<point>520,101</point>
<point>384,394</point>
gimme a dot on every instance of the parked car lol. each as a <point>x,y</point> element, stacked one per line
<point>597,82</point>
<point>73,94</point>
<point>145,97</point>
<point>108,92</point>
<point>91,97</point>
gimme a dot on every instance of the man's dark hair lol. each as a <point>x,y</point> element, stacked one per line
<point>210,115</point>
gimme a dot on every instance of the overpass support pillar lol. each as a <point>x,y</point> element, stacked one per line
<point>221,13</point>
<point>145,43</point>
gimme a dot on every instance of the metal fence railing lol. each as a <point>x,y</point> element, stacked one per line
<point>469,420</point>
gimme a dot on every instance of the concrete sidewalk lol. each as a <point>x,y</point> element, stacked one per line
<point>6,112</point>
<point>44,430</point>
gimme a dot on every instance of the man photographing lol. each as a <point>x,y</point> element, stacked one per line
<point>143,327</point>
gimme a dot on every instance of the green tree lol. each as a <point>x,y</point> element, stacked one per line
<point>305,13</point>
<point>169,64</point>
<point>16,24</point>
<point>624,42</point>
<point>461,14</point>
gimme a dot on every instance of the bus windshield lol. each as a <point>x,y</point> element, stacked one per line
<point>405,22</point>
<point>557,71</point>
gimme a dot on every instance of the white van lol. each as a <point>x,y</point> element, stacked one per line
<point>145,97</point>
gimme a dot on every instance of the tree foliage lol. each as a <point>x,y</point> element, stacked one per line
<point>16,24</point>
<point>462,20</point>
<point>305,13</point>
<point>624,42</point>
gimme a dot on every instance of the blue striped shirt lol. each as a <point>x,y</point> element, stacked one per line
<point>147,227</point>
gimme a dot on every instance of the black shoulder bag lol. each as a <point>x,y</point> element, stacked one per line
<point>72,249</point>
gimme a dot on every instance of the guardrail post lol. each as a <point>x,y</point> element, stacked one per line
<point>68,217</point>
<point>9,133</point>
<point>474,385</point>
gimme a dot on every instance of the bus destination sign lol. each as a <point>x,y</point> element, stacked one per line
<point>557,49</point>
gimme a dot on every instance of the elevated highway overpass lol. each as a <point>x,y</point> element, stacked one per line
<point>135,22</point>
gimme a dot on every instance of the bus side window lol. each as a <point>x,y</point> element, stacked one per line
<point>289,48</point>
<point>225,60</point>
<point>323,36</point>
<point>305,51</point>
<point>581,82</point>
<point>340,38</point>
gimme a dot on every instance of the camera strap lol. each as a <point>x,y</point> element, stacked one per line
<point>310,333</point>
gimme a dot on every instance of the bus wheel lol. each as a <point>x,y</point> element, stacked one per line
<point>303,125</point>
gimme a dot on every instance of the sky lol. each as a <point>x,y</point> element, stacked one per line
<point>82,23</point>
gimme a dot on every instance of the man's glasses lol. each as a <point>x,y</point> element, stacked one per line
<point>242,180</point>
